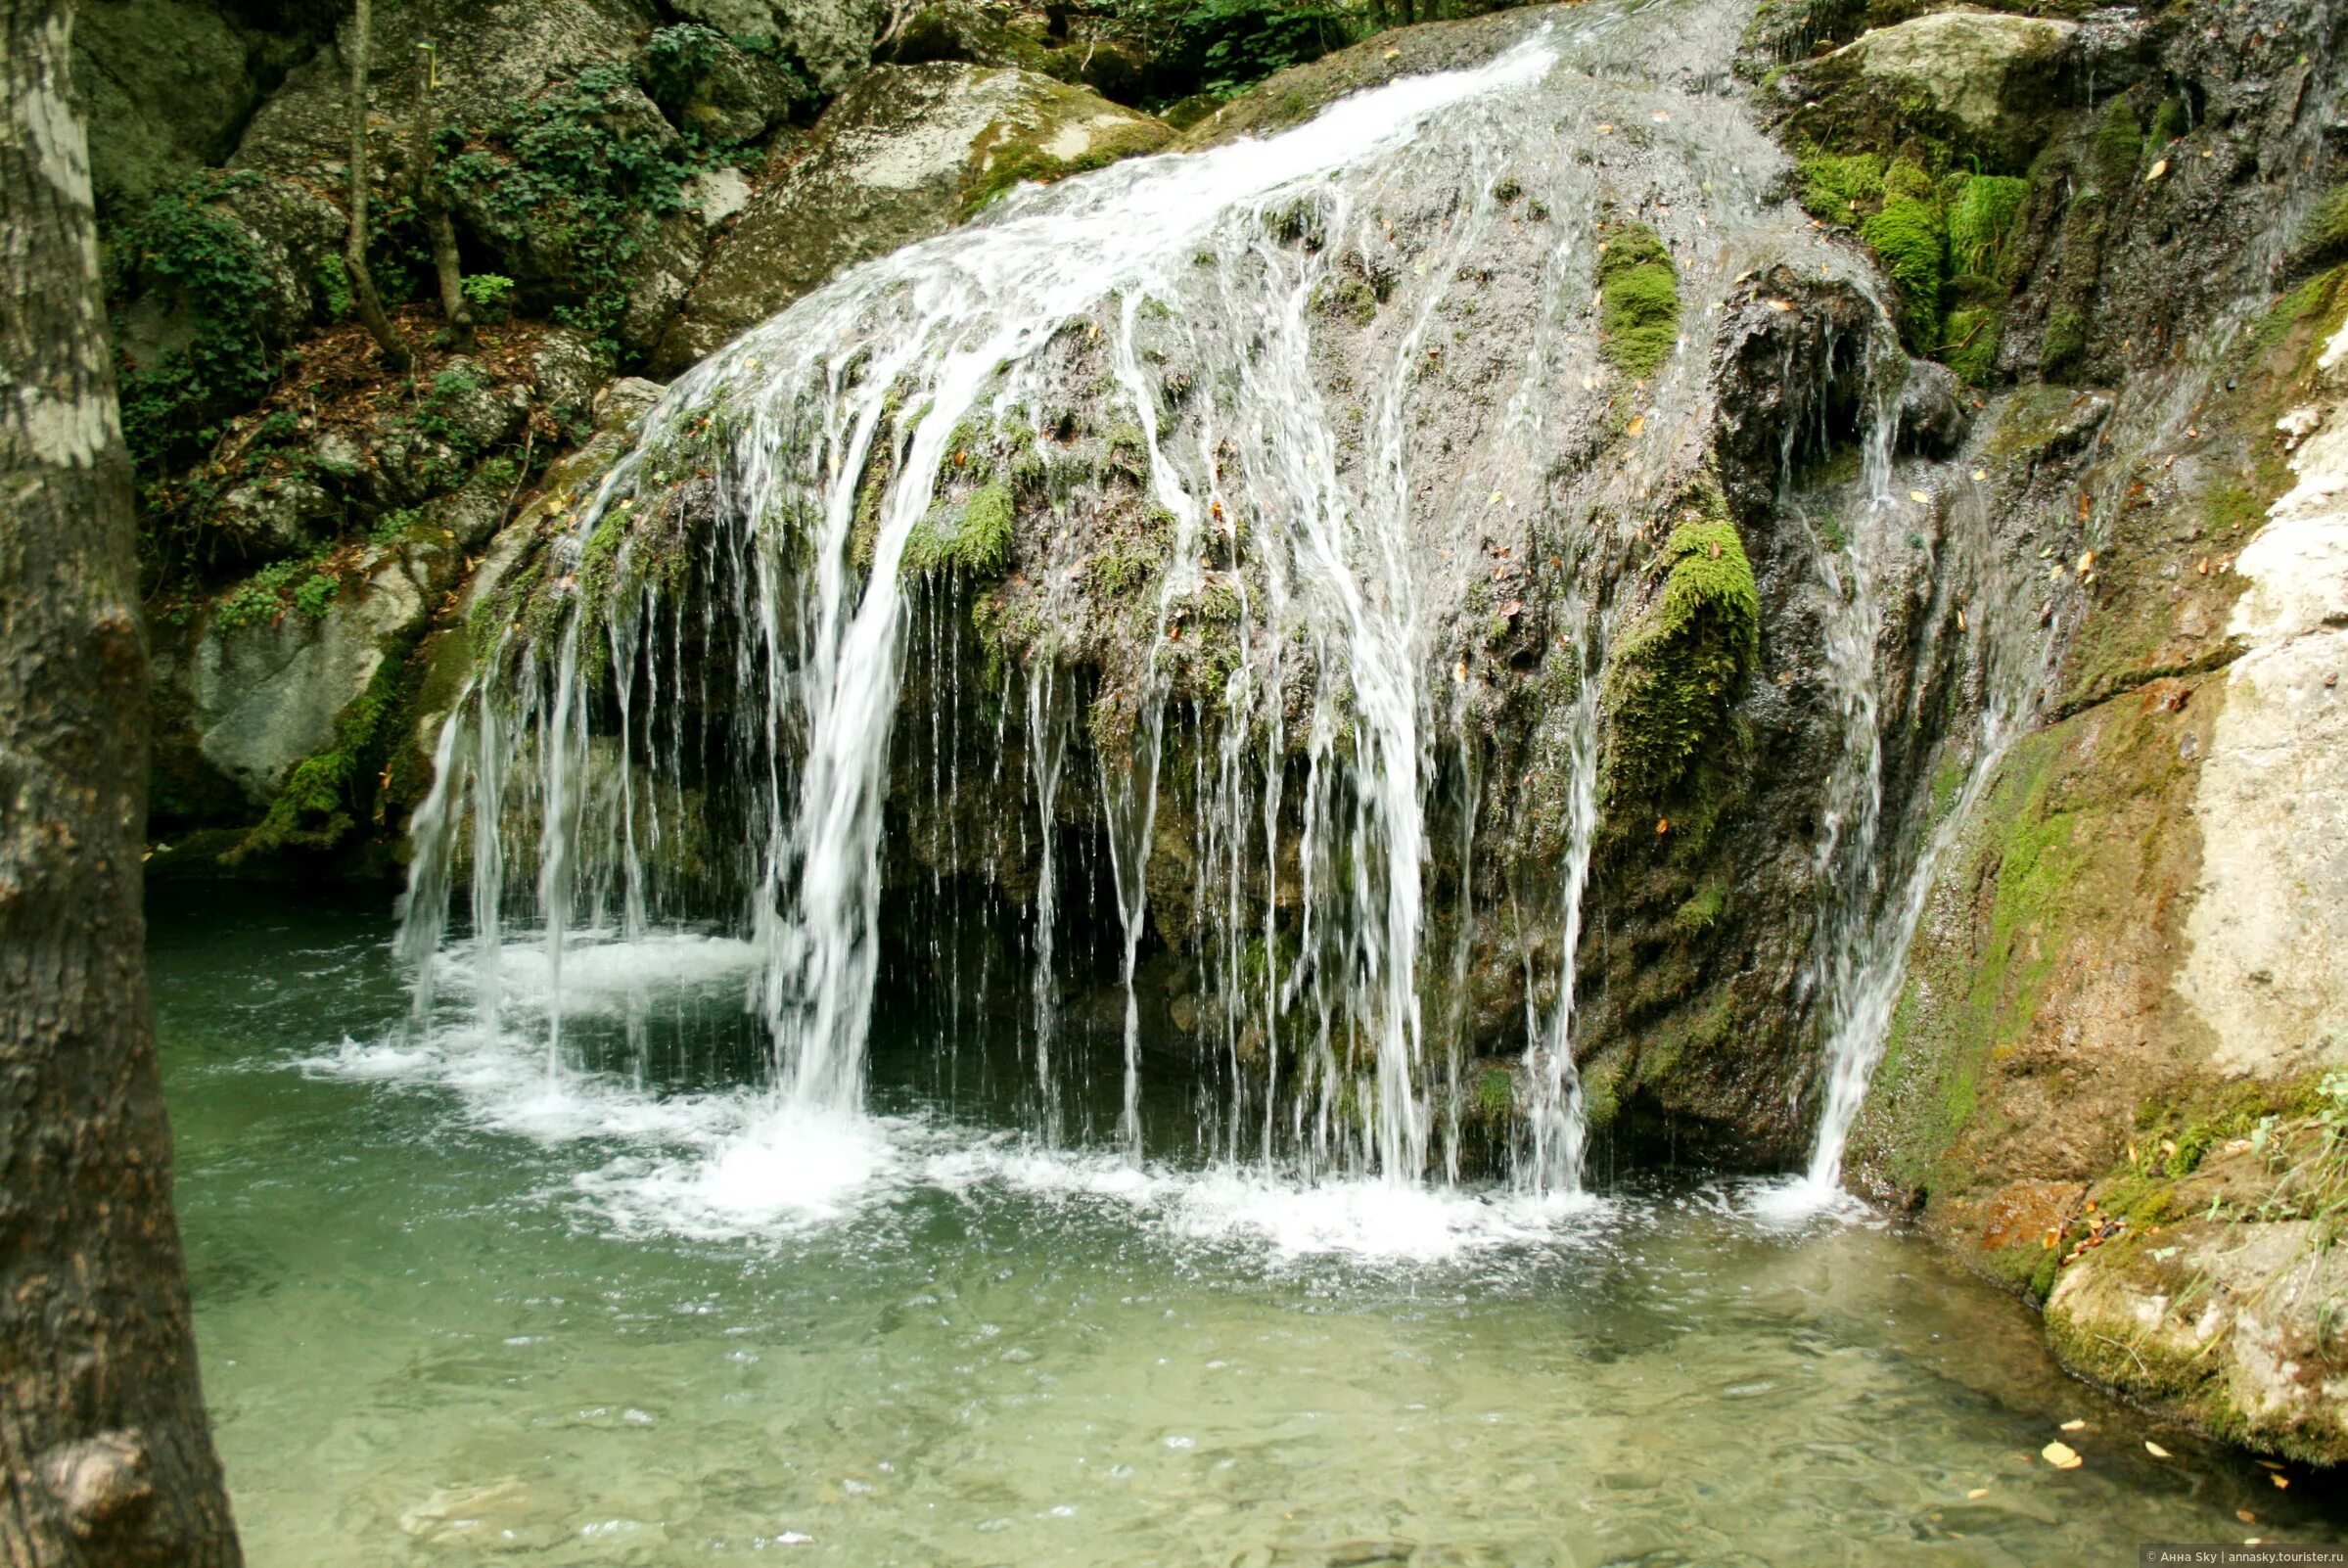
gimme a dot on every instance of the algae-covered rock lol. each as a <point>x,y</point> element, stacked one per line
<point>984,35</point>
<point>492,59</point>
<point>905,152</point>
<point>2234,1325</point>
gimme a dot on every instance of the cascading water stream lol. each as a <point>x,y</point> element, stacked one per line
<point>883,368</point>
<point>694,718</point>
<point>1864,936</point>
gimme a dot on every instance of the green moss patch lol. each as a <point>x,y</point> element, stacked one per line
<point>1638,294</point>
<point>1673,679</point>
<point>974,539</point>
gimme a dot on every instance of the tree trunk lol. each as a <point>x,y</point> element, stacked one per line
<point>354,246</point>
<point>105,1458</point>
<point>432,204</point>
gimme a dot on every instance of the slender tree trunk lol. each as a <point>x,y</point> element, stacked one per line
<point>432,203</point>
<point>354,246</point>
<point>106,1459</point>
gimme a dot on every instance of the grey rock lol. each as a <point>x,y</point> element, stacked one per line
<point>895,159</point>
<point>492,58</point>
<point>624,401</point>
<point>1965,64</point>
<point>266,697</point>
<point>269,518</point>
<point>1933,415</point>
<point>831,39</point>
<point>166,86</point>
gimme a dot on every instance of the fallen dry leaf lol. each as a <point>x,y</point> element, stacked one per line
<point>2155,1449</point>
<point>1976,1493</point>
<point>1919,497</point>
<point>2074,1425</point>
<point>2061,1456</point>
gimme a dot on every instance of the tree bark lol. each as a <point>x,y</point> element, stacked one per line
<point>369,304</point>
<point>432,204</point>
<point>105,1458</point>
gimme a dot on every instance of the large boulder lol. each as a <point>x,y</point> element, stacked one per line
<point>904,154</point>
<point>2236,1326</point>
<point>491,59</point>
<point>264,695</point>
<point>830,39</point>
<point>997,35</point>
<point>1967,64</point>
<point>166,86</point>
<point>1981,83</point>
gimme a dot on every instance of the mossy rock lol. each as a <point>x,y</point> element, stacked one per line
<point>1639,297</point>
<point>1054,133</point>
<point>973,538</point>
<point>1910,237</point>
<point>1673,681</point>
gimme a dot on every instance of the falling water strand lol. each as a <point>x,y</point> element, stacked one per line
<point>1554,1117</point>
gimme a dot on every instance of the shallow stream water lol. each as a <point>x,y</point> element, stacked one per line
<point>451,1312</point>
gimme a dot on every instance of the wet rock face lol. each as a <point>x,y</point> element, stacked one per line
<point>2104,1027</point>
<point>904,154</point>
<point>2267,959</point>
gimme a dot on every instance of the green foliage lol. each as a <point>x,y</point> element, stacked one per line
<point>1673,679</point>
<point>333,286</point>
<point>1638,293</point>
<point>1496,1091</point>
<point>1970,346</point>
<point>1980,217</point>
<point>490,294</point>
<point>280,588</point>
<point>675,60</point>
<point>181,243</point>
<point>1220,46</point>
<point>1835,187</point>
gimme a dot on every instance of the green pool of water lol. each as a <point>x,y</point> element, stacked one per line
<point>448,1316</point>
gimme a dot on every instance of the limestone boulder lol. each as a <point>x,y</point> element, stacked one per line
<point>904,154</point>
<point>831,40</point>
<point>263,696</point>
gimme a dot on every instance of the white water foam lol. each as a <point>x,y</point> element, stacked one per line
<point>743,1165</point>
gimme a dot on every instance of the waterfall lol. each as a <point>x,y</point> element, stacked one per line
<point>1198,451</point>
<point>776,439</point>
<point>1861,958</point>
